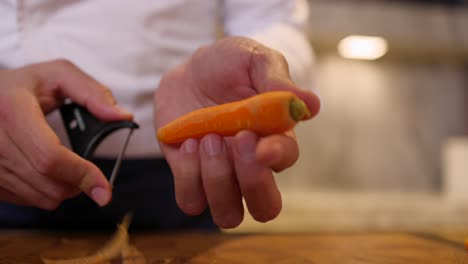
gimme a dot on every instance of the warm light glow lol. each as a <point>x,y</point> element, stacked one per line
<point>363,47</point>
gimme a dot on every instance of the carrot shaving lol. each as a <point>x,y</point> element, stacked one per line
<point>116,247</point>
<point>131,255</point>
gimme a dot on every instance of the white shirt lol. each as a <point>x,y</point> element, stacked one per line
<point>129,44</point>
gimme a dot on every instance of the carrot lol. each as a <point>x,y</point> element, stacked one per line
<point>265,114</point>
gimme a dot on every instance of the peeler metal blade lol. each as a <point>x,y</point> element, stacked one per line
<point>118,162</point>
<point>85,132</point>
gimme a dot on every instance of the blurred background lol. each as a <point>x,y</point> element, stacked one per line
<point>390,148</point>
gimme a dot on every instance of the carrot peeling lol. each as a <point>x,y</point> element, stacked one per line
<point>265,114</point>
<point>116,247</point>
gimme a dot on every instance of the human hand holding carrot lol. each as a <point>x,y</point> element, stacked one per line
<point>218,171</point>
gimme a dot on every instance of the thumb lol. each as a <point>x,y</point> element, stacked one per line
<point>84,175</point>
<point>44,151</point>
<point>63,78</point>
<point>269,71</point>
<point>237,63</point>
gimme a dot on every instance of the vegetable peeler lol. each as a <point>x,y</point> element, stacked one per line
<point>85,132</point>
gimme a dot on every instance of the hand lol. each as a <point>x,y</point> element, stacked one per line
<point>35,168</point>
<point>220,171</point>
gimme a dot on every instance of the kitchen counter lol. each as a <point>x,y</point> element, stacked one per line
<point>22,246</point>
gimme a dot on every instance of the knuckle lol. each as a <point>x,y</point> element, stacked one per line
<point>260,55</point>
<point>244,45</point>
<point>59,194</point>
<point>200,51</point>
<point>199,56</point>
<point>85,176</point>
<point>63,63</point>
<point>72,192</point>
<point>186,172</point>
<point>218,175</point>
<point>279,57</point>
<point>46,162</point>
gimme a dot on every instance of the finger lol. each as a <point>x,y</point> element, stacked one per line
<point>256,180</point>
<point>25,192</point>
<point>10,197</point>
<point>63,79</point>
<point>42,148</point>
<point>19,166</point>
<point>185,166</point>
<point>279,151</point>
<point>219,182</point>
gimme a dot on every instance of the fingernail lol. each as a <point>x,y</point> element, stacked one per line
<point>100,195</point>
<point>319,96</point>
<point>213,145</point>
<point>316,91</point>
<point>109,97</point>
<point>122,110</point>
<point>246,144</point>
<point>190,146</point>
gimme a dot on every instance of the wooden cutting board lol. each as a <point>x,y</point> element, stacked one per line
<point>27,247</point>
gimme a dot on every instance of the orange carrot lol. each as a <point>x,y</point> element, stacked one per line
<point>265,114</point>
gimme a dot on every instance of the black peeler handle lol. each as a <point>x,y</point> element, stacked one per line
<point>85,131</point>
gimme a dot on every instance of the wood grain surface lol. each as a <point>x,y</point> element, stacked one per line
<point>387,247</point>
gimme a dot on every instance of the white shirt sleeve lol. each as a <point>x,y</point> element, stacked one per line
<point>278,24</point>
